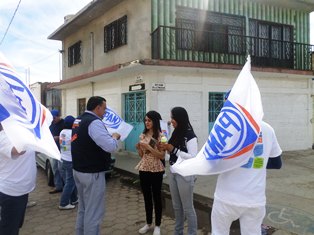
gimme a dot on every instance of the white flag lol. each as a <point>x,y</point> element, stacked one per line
<point>25,121</point>
<point>235,131</point>
<point>114,123</point>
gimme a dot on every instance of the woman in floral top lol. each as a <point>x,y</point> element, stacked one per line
<point>151,170</point>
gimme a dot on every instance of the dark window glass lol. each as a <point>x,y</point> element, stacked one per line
<point>271,43</point>
<point>115,34</point>
<point>81,106</point>
<point>209,31</point>
<point>74,54</point>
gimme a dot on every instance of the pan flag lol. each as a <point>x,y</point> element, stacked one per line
<point>24,119</point>
<point>234,134</point>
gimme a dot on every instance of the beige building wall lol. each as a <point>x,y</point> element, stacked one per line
<point>92,37</point>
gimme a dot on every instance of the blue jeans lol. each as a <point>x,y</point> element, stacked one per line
<point>12,212</point>
<point>69,193</point>
<point>181,189</point>
<point>57,174</point>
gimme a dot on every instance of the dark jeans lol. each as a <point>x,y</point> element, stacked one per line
<point>69,193</point>
<point>12,211</point>
<point>57,174</point>
<point>151,187</point>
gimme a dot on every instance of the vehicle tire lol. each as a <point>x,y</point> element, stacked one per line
<point>49,173</point>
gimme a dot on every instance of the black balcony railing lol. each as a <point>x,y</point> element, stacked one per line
<point>170,43</point>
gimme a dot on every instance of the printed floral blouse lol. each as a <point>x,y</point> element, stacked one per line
<point>149,162</point>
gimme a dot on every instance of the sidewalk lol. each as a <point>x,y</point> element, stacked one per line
<point>290,191</point>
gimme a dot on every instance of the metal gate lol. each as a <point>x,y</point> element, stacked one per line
<point>135,110</point>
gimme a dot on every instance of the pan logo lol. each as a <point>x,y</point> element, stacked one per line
<point>111,119</point>
<point>27,105</point>
<point>233,133</point>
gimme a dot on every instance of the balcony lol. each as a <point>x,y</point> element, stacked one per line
<point>170,43</point>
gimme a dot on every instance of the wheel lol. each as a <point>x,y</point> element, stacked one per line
<point>49,173</point>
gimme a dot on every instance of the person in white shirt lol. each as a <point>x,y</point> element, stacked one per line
<point>182,146</point>
<point>17,180</point>
<point>240,193</point>
<point>69,194</point>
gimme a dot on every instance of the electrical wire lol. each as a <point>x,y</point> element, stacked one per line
<point>17,7</point>
<point>43,58</point>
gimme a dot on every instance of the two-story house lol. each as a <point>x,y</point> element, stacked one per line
<point>146,55</point>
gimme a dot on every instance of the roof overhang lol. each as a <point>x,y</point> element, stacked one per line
<point>97,8</point>
<point>91,11</point>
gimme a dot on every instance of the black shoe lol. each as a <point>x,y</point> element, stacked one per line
<point>55,191</point>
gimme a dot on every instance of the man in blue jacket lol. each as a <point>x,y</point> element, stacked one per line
<point>91,150</point>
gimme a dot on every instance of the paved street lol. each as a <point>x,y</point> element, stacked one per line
<point>289,191</point>
<point>124,216</point>
<point>289,206</point>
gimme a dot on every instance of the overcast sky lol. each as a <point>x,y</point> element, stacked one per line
<point>26,44</point>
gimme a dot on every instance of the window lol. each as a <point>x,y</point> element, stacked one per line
<point>74,54</point>
<point>81,106</point>
<point>115,34</point>
<point>53,99</point>
<point>209,31</point>
<point>215,103</point>
<point>271,43</point>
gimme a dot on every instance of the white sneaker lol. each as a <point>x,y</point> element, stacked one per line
<point>156,230</point>
<point>67,207</point>
<point>145,229</point>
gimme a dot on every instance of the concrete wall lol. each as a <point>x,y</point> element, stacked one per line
<point>36,90</point>
<point>92,37</point>
<point>286,98</point>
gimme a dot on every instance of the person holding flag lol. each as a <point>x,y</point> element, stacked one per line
<point>17,180</point>
<point>22,113</point>
<point>240,193</point>
<point>238,148</point>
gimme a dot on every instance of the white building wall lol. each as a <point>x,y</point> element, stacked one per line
<point>70,97</point>
<point>36,90</point>
<point>286,98</point>
<point>288,108</point>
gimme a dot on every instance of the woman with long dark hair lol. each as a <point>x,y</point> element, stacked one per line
<point>181,146</point>
<point>151,170</point>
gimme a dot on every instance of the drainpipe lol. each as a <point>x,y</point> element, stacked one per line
<point>92,88</point>
<point>91,37</point>
<point>61,64</point>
